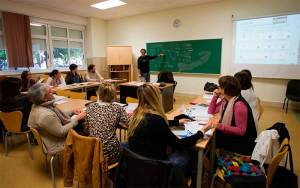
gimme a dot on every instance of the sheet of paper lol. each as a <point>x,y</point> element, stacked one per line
<point>120,104</point>
<point>180,133</point>
<point>192,127</point>
<point>136,83</point>
<point>131,107</point>
<point>60,102</point>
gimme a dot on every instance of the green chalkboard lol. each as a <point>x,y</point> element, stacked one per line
<point>191,56</point>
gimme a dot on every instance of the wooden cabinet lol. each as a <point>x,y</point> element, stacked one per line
<point>119,61</point>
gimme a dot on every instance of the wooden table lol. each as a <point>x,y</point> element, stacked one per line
<point>83,85</point>
<point>129,89</point>
<point>71,105</point>
<point>202,144</point>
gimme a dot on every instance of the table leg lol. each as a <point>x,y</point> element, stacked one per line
<point>199,168</point>
<point>212,158</point>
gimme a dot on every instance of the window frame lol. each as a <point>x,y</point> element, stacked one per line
<point>48,24</point>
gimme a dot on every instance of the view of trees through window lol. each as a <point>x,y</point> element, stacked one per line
<point>52,47</point>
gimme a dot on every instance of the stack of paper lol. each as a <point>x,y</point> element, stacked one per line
<point>136,83</point>
<point>130,108</point>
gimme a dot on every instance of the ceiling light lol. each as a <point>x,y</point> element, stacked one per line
<point>108,4</point>
<point>36,24</point>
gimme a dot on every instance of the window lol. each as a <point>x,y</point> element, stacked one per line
<point>67,46</point>
<point>54,45</point>
<point>3,58</point>
<point>39,46</point>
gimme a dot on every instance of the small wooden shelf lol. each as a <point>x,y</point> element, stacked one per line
<point>119,61</point>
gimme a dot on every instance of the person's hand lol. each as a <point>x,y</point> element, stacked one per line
<point>80,116</point>
<point>78,111</point>
<point>217,92</point>
<point>183,121</point>
<point>206,128</point>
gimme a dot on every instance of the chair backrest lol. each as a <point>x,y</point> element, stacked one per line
<point>138,171</point>
<point>276,160</point>
<point>165,76</point>
<point>261,108</point>
<point>293,88</point>
<point>65,93</point>
<point>86,161</point>
<point>12,121</point>
<point>77,95</point>
<point>131,100</point>
<point>38,138</point>
<point>94,98</point>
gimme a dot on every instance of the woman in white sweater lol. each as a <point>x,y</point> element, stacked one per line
<point>248,94</point>
<point>55,79</point>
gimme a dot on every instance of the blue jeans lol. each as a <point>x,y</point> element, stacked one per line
<point>146,76</point>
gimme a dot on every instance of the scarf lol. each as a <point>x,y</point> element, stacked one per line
<point>63,117</point>
<point>227,110</point>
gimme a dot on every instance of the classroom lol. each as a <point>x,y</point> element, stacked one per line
<point>149,93</point>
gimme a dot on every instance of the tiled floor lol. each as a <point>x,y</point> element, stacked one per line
<point>17,170</point>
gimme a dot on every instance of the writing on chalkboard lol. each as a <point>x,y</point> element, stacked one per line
<point>193,56</point>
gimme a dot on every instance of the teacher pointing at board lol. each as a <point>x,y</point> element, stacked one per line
<point>143,64</point>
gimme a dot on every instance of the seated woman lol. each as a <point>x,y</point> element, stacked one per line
<point>236,130</point>
<point>248,94</point>
<point>26,80</point>
<point>47,120</point>
<point>149,132</point>
<point>13,100</point>
<point>102,120</point>
<point>55,79</point>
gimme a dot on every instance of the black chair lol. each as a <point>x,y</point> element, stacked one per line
<point>167,77</point>
<point>292,93</point>
<point>136,171</point>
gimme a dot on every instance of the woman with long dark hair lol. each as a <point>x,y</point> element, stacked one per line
<point>26,80</point>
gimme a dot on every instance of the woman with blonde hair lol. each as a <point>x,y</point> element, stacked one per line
<point>103,118</point>
<point>149,132</point>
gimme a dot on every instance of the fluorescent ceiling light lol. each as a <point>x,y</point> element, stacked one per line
<point>108,4</point>
<point>36,24</point>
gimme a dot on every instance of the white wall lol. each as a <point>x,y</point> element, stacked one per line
<point>212,20</point>
<point>96,38</point>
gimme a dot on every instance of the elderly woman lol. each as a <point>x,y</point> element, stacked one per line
<point>236,130</point>
<point>47,120</point>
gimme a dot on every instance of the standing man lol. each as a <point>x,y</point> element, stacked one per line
<point>143,64</point>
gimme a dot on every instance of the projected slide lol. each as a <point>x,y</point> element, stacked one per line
<point>268,41</point>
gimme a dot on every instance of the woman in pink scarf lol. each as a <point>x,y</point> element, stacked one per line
<point>236,130</point>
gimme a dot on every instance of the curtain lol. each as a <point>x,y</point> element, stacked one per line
<point>18,39</point>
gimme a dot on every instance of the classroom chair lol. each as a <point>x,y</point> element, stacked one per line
<point>46,154</point>
<point>84,161</point>
<point>122,133</point>
<point>292,93</point>
<point>135,170</point>
<point>65,93</point>
<point>12,122</point>
<point>77,95</point>
<point>94,98</point>
<point>271,169</point>
<point>131,100</point>
<point>261,108</point>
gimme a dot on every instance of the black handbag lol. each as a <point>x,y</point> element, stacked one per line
<point>285,177</point>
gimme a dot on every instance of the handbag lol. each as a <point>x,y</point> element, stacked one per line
<point>285,177</point>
